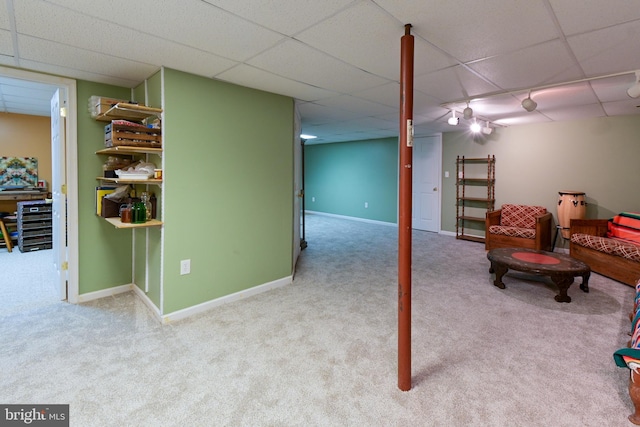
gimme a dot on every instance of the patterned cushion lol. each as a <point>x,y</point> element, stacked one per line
<point>625,225</point>
<point>527,233</point>
<point>619,247</point>
<point>520,215</point>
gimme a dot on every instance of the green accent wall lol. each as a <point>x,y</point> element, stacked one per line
<point>226,202</point>
<point>342,177</point>
<point>228,191</point>
<point>104,252</point>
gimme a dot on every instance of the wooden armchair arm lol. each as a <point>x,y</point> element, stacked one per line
<point>594,227</point>
<point>543,231</point>
<point>493,218</point>
<point>544,220</point>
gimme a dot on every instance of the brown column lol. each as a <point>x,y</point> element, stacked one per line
<point>405,211</point>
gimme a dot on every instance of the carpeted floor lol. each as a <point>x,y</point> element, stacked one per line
<point>322,352</point>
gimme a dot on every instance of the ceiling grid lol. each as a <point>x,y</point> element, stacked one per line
<point>340,58</point>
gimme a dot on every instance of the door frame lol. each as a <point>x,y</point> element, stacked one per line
<point>68,86</point>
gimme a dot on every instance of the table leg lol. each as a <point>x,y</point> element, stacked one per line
<point>500,270</point>
<point>563,283</point>
<point>585,282</point>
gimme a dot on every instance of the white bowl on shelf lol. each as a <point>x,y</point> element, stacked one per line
<point>134,176</point>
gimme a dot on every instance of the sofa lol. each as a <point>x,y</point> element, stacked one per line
<point>629,357</point>
<point>518,226</point>
<point>610,247</point>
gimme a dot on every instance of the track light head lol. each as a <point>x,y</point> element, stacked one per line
<point>475,127</point>
<point>453,120</point>
<point>634,91</point>
<point>467,112</point>
<point>529,104</point>
<point>487,130</point>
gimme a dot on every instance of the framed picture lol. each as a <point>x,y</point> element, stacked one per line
<point>18,172</point>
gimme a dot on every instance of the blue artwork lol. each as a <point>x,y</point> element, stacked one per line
<point>18,172</point>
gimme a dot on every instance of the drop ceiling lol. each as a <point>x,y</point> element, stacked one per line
<point>340,58</point>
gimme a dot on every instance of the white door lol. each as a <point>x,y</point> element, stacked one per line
<point>427,153</point>
<point>58,191</point>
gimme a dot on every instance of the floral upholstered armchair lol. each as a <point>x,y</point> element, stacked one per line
<point>518,226</point>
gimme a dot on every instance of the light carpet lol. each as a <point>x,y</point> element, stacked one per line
<point>323,351</point>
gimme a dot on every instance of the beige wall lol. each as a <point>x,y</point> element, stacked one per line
<point>26,136</point>
<point>533,162</point>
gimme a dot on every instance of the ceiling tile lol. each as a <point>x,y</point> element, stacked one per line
<point>315,114</point>
<point>578,94</point>
<point>625,107</point>
<point>387,94</point>
<point>579,16</point>
<point>369,38</point>
<point>89,33</point>
<point>314,68</point>
<point>7,60</point>
<point>575,112</point>
<point>47,52</point>
<point>286,16</point>
<point>356,105</point>
<point>78,74</point>
<point>475,30</point>
<point>4,16</point>
<point>463,50</point>
<point>249,76</point>
<point>522,119</point>
<point>610,50</point>
<point>537,65</point>
<point>190,23</point>
<point>6,43</point>
<point>452,84</point>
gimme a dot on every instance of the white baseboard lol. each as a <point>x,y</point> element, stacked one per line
<point>352,218</point>
<point>147,301</point>
<point>190,311</point>
<point>105,293</point>
<point>447,233</point>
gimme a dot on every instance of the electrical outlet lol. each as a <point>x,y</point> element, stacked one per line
<point>366,205</point>
<point>313,199</point>
<point>185,266</point>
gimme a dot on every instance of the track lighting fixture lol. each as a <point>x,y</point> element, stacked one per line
<point>634,91</point>
<point>487,130</point>
<point>453,120</point>
<point>467,112</point>
<point>475,127</point>
<point>529,104</point>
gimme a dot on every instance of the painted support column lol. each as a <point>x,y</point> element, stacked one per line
<point>405,211</point>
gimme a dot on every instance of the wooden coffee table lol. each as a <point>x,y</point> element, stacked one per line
<point>559,267</point>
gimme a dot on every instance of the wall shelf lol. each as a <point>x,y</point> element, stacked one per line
<point>126,111</point>
<point>130,181</point>
<point>126,149</point>
<point>115,221</point>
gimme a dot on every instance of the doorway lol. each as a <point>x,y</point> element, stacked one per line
<point>427,183</point>
<point>66,271</point>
